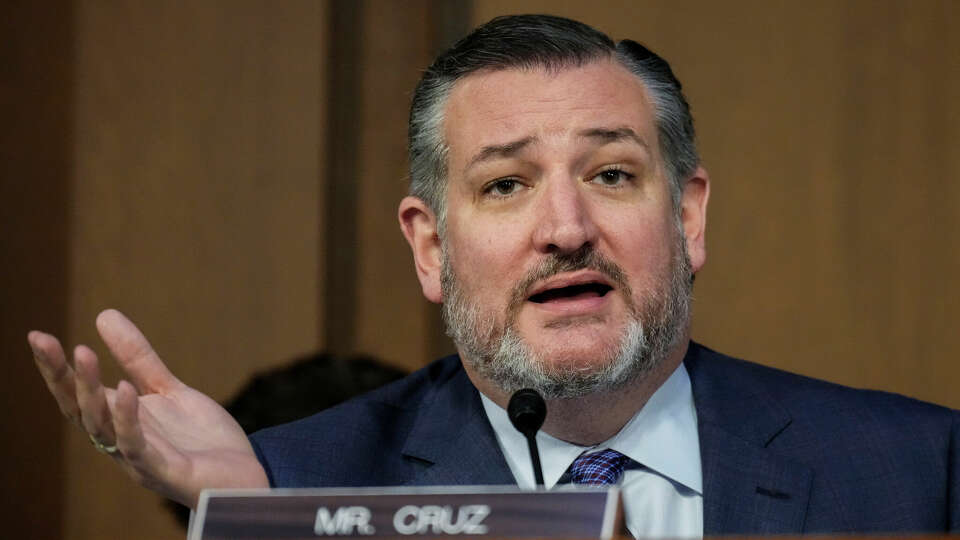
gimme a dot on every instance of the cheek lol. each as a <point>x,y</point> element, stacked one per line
<point>487,259</point>
<point>643,247</point>
<point>489,240</point>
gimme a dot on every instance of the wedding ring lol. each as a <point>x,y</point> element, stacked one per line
<point>102,448</point>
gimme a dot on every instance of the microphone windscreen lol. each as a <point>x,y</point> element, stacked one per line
<point>527,411</point>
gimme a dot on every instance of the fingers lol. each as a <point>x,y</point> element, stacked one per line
<point>52,363</point>
<point>92,397</point>
<point>134,353</point>
<point>113,417</point>
<point>141,456</point>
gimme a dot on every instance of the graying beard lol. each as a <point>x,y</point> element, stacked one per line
<point>500,354</point>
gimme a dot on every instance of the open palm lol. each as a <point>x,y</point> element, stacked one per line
<point>167,436</point>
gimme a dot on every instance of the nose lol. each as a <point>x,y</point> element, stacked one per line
<point>565,222</point>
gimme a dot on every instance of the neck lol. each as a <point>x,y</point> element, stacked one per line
<point>593,418</point>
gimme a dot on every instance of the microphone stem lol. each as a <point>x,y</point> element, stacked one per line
<point>535,458</point>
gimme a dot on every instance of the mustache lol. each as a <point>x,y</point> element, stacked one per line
<point>585,258</point>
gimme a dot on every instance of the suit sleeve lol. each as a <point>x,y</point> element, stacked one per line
<point>953,475</point>
<point>266,464</point>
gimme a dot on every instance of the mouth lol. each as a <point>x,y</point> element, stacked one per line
<point>570,289</point>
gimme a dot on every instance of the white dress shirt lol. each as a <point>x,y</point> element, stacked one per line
<point>663,496</point>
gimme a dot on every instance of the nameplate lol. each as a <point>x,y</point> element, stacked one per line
<point>482,511</point>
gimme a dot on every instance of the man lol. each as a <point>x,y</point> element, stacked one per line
<point>558,212</point>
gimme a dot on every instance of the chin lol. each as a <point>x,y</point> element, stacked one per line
<point>582,348</point>
<point>572,368</point>
<point>580,359</point>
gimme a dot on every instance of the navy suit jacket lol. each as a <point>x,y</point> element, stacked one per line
<point>781,453</point>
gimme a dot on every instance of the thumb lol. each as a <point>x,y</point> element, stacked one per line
<point>134,354</point>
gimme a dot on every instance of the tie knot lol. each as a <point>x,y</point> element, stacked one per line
<point>598,468</point>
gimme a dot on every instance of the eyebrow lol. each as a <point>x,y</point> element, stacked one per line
<point>601,135</point>
<point>607,136</point>
<point>494,151</point>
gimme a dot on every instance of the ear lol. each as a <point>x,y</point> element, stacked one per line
<point>693,204</point>
<point>419,226</point>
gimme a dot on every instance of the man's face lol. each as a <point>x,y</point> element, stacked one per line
<point>562,255</point>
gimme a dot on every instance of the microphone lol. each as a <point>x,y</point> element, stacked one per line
<point>527,411</point>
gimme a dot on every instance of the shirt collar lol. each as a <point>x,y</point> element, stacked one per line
<point>662,436</point>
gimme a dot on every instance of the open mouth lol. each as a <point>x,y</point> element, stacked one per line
<point>581,290</point>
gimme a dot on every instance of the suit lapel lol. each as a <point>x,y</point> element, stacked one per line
<point>452,440</point>
<point>747,487</point>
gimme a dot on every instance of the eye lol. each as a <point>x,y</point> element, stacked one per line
<point>502,187</point>
<point>613,176</point>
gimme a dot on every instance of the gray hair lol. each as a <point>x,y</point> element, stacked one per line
<point>551,43</point>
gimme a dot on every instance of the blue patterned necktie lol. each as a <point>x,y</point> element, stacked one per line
<point>598,468</point>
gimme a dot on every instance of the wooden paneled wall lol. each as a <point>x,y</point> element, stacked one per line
<point>374,290</point>
<point>393,320</point>
<point>198,133</point>
<point>170,157</point>
<point>198,147</point>
<point>36,76</point>
<point>210,169</point>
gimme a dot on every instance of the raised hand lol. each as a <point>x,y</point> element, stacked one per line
<point>166,435</point>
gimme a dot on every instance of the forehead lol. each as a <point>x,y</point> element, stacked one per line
<point>496,107</point>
